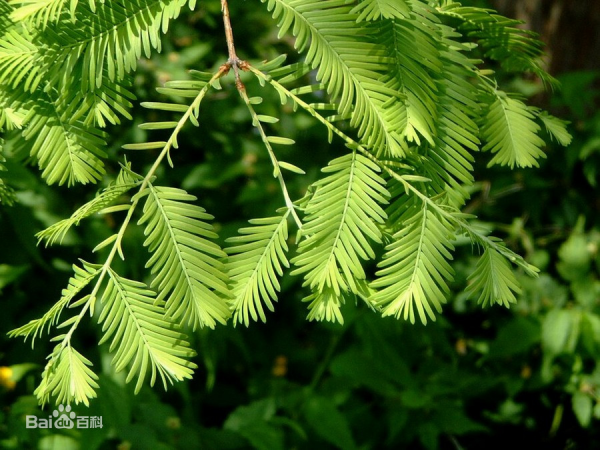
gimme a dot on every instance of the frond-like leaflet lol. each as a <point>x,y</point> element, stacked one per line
<point>185,261</point>
<point>325,305</point>
<point>108,41</point>
<point>100,106</point>
<point>448,163</point>
<point>415,269</point>
<point>501,39</point>
<point>341,217</point>
<point>511,133</point>
<point>66,152</point>
<point>141,334</point>
<point>10,119</point>
<point>413,71</point>
<point>556,128</point>
<point>125,181</point>
<point>19,59</point>
<point>67,377</point>
<point>82,277</point>
<point>494,280</point>
<point>254,264</point>
<point>12,110</point>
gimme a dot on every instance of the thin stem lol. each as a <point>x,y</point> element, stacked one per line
<point>233,60</point>
<point>237,64</point>
<point>228,30</point>
<point>276,169</point>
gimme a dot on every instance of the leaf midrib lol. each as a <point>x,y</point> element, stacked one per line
<point>342,219</point>
<point>266,251</point>
<point>173,239</point>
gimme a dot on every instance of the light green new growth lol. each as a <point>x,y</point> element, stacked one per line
<point>407,76</point>
<point>415,269</point>
<point>140,334</point>
<point>185,262</point>
<point>343,217</point>
<point>254,265</point>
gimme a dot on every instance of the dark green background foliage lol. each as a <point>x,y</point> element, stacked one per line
<point>475,378</point>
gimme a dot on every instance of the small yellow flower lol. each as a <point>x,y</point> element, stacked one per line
<point>6,380</point>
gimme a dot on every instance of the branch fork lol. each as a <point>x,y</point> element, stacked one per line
<point>233,60</point>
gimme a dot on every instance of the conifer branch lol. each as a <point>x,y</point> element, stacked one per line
<point>417,117</point>
<point>105,269</point>
<point>453,216</point>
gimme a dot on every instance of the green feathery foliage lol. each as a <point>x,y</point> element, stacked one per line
<point>494,278</point>
<point>415,269</point>
<point>83,276</point>
<point>67,377</point>
<point>126,180</point>
<point>511,133</point>
<point>185,263</point>
<point>402,83</point>
<point>341,217</point>
<point>6,192</point>
<point>254,265</point>
<point>328,34</point>
<point>141,335</point>
<point>517,50</point>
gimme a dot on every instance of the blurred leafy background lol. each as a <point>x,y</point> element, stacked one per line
<point>493,377</point>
